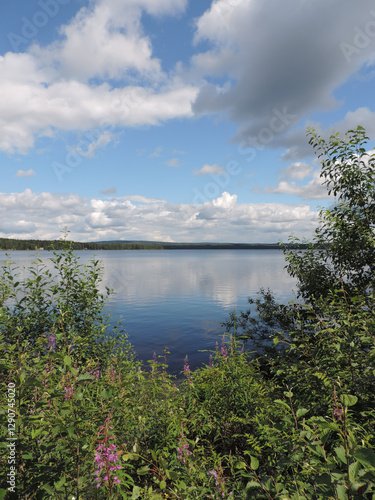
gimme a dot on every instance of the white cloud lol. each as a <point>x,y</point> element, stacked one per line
<point>106,40</point>
<point>173,162</point>
<point>297,170</point>
<point>30,110</point>
<point>310,191</point>
<point>45,215</point>
<point>25,173</point>
<point>102,141</point>
<point>209,169</point>
<point>225,201</point>
<point>63,86</point>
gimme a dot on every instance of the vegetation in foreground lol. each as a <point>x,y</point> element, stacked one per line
<point>295,421</point>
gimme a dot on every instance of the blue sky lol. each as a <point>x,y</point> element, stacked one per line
<point>175,120</point>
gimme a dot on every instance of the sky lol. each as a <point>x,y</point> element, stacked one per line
<point>176,120</point>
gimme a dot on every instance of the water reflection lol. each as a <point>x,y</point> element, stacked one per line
<point>223,276</point>
<point>179,298</point>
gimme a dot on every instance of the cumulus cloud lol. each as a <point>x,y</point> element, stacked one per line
<point>209,169</point>
<point>278,54</point>
<point>44,215</point>
<point>106,40</point>
<point>310,191</point>
<point>63,86</point>
<point>25,173</point>
<point>297,170</point>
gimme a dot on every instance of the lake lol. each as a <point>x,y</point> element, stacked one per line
<point>178,298</point>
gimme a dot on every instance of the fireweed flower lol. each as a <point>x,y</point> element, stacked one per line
<point>338,412</point>
<point>183,451</point>
<point>220,481</point>
<point>69,393</point>
<point>106,459</point>
<point>49,369</point>
<point>187,369</point>
<point>215,474</point>
<point>96,373</point>
<point>224,351</point>
<point>51,342</point>
<point>112,374</point>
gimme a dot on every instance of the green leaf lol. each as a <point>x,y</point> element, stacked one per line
<point>353,470</point>
<point>163,485</point>
<point>365,456</point>
<point>35,432</point>
<point>67,360</point>
<point>70,430</point>
<point>254,462</point>
<point>349,400</point>
<point>48,489</point>
<point>301,412</point>
<point>282,403</point>
<point>84,376</point>
<point>136,493</point>
<point>340,452</point>
<point>143,470</point>
<point>252,484</point>
<point>240,465</point>
<point>60,483</point>
<point>182,485</point>
<point>341,492</point>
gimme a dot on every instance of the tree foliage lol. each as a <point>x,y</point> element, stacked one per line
<point>342,253</point>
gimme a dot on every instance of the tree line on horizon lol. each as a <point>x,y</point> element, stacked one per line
<point>35,244</point>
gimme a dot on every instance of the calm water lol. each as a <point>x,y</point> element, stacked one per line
<point>178,298</point>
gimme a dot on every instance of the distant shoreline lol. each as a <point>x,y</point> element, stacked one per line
<point>29,245</point>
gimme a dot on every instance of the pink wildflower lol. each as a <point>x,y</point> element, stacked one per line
<point>224,351</point>
<point>338,412</point>
<point>69,393</point>
<point>187,369</point>
<point>51,342</point>
<point>106,458</point>
<point>183,451</point>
